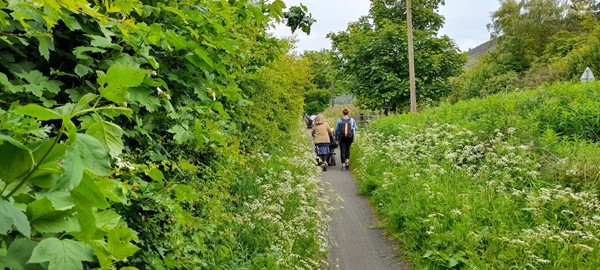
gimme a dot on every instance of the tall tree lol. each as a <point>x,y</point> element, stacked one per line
<point>373,53</point>
<point>526,28</point>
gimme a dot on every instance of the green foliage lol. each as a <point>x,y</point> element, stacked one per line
<point>374,56</point>
<point>459,183</point>
<point>276,92</point>
<point>316,100</point>
<point>119,147</point>
<point>538,42</point>
<point>296,17</point>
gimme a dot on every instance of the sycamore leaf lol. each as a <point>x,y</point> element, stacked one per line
<point>118,79</point>
<point>182,134</point>
<point>10,215</point>
<point>46,175</point>
<point>86,153</point>
<point>107,220</point>
<point>46,44</point>
<point>81,52</point>
<point>119,243</point>
<point>20,250</point>
<point>87,194</point>
<point>8,262</point>
<point>125,6</point>
<point>88,197</point>
<point>61,254</point>
<point>45,218</point>
<point>155,174</point>
<point>113,190</point>
<point>48,150</point>
<point>15,159</point>
<point>70,21</point>
<point>109,135</point>
<point>185,193</point>
<point>82,70</point>
<point>39,112</point>
<point>198,61</point>
<point>103,42</point>
<point>8,85</point>
<point>60,200</point>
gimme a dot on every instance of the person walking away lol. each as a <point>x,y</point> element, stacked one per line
<point>344,132</point>
<point>307,120</point>
<point>321,133</point>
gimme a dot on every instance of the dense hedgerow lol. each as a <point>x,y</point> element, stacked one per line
<point>130,134</point>
<point>493,183</point>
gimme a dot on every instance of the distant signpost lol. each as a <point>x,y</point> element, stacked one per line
<point>587,75</point>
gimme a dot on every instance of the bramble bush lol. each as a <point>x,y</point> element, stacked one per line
<point>506,181</point>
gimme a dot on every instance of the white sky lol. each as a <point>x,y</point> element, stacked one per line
<point>465,23</point>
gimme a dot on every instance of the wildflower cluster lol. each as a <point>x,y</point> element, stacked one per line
<point>457,197</point>
<point>289,210</point>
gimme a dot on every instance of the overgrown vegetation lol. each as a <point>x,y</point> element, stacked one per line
<point>538,42</point>
<point>510,181</point>
<point>154,134</point>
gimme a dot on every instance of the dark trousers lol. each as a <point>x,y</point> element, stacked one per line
<point>345,144</point>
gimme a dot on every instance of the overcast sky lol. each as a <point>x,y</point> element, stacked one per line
<point>466,21</point>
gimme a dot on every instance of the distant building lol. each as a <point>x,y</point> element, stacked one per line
<point>475,53</point>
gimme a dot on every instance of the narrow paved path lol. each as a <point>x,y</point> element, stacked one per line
<point>359,246</point>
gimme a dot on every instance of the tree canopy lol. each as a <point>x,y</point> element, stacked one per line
<point>373,55</point>
<point>538,41</point>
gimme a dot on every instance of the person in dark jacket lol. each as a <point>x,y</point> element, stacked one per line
<point>344,132</point>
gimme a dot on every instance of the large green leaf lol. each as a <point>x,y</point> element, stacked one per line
<point>21,250</point>
<point>11,215</point>
<point>83,103</point>
<point>15,159</point>
<point>119,78</point>
<point>113,190</point>
<point>86,153</point>
<point>87,197</point>
<point>87,194</point>
<point>61,200</point>
<point>9,262</point>
<point>107,220</point>
<point>48,150</point>
<point>45,218</point>
<point>8,85</point>
<point>109,135</point>
<point>46,44</point>
<point>61,254</point>
<point>39,112</point>
<point>47,174</point>
<point>119,243</point>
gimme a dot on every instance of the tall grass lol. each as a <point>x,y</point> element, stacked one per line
<point>507,182</point>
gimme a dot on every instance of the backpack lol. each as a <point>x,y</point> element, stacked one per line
<point>346,130</point>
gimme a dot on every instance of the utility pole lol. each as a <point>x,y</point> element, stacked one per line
<point>332,96</point>
<point>411,58</point>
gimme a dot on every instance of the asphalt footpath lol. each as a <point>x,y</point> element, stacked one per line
<point>359,243</point>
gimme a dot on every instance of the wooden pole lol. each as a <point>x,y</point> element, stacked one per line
<point>411,58</point>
